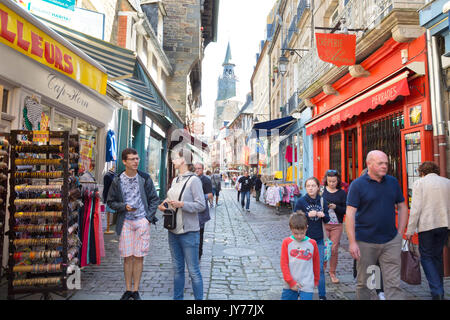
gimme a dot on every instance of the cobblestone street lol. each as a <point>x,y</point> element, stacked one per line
<point>240,261</point>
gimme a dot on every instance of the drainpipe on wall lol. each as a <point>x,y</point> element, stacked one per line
<point>439,144</point>
<point>440,125</point>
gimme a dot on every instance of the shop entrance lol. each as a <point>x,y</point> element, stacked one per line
<point>351,155</point>
<point>384,134</point>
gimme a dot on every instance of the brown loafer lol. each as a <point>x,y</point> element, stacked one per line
<point>334,279</point>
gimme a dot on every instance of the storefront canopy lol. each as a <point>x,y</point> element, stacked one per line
<point>386,91</point>
<point>272,127</point>
<point>182,135</point>
<point>125,73</point>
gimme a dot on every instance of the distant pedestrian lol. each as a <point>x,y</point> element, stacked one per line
<point>133,197</point>
<point>216,180</point>
<point>336,199</point>
<point>184,240</point>
<point>211,201</point>
<point>246,185</point>
<point>315,209</point>
<point>430,214</point>
<point>203,216</point>
<point>238,187</point>
<point>300,261</point>
<point>258,186</point>
<point>371,227</point>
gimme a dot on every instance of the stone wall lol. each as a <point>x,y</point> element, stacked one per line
<point>182,45</point>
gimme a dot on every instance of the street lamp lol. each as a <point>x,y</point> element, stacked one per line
<point>282,65</point>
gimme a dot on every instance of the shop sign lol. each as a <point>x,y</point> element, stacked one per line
<point>415,115</point>
<point>82,20</point>
<point>63,92</point>
<point>338,49</point>
<point>22,36</point>
<point>66,4</point>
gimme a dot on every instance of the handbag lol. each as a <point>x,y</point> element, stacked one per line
<point>327,243</point>
<point>170,215</point>
<point>410,266</point>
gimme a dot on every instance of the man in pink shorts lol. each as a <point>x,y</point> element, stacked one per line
<point>133,197</point>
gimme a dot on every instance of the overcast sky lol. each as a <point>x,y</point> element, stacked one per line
<point>243,23</point>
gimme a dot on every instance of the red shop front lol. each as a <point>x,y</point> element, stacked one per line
<point>388,110</point>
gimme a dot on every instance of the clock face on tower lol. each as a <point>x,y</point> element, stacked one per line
<point>228,72</point>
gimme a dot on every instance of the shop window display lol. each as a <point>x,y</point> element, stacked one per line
<point>88,144</point>
<point>153,147</point>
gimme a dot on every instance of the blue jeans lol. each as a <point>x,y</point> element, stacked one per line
<point>322,291</point>
<point>289,294</point>
<point>431,245</point>
<point>245,195</point>
<point>185,248</point>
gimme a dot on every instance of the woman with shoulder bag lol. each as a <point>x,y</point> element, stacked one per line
<point>185,197</point>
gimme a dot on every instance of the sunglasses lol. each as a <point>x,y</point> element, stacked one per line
<point>331,172</point>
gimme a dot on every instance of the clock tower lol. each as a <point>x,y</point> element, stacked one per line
<point>227,83</point>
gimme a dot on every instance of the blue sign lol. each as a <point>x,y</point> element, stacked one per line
<point>66,4</point>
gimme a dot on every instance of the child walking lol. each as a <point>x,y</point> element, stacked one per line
<point>316,210</point>
<point>300,261</point>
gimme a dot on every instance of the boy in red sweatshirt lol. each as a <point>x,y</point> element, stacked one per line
<point>300,261</point>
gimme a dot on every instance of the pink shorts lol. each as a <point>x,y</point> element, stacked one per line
<point>135,238</point>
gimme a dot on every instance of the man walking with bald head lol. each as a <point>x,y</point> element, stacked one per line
<point>371,228</point>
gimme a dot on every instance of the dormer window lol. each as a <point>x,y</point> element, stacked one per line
<point>155,12</point>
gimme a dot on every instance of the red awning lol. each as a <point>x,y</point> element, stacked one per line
<point>380,95</point>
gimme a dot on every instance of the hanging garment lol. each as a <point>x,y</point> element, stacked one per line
<point>111,154</point>
<point>101,238</point>
<point>289,174</point>
<point>96,231</point>
<point>288,155</point>
<point>86,230</point>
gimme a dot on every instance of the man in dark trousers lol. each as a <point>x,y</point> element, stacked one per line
<point>371,226</point>
<point>246,186</point>
<point>258,186</point>
<point>204,216</point>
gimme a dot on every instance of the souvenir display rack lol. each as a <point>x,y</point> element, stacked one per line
<point>4,164</point>
<point>43,205</point>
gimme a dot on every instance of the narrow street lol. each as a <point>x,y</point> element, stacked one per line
<point>240,261</point>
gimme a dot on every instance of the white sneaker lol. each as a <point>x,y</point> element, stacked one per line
<point>248,210</point>
<point>381,296</point>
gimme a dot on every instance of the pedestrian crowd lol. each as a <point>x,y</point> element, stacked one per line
<point>375,235</point>
<point>368,211</point>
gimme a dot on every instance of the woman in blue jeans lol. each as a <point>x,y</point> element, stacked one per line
<point>184,240</point>
<point>316,210</point>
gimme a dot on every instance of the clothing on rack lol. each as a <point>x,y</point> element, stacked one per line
<point>92,242</point>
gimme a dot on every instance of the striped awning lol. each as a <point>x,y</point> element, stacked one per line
<point>118,61</point>
<point>124,71</point>
<point>136,89</point>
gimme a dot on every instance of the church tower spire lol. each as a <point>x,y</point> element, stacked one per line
<point>227,83</point>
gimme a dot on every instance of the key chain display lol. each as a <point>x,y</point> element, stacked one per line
<point>43,205</point>
<point>4,164</point>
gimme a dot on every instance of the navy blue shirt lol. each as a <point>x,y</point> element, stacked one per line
<point>307,204</point>
<point>375,203</point>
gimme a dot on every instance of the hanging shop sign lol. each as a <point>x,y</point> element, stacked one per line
<point>22,36</point>
<point>338,49</point>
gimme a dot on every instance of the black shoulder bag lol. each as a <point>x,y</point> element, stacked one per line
<point>170,215</point>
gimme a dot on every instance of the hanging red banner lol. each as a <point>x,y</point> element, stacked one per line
<point>338,49</point>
